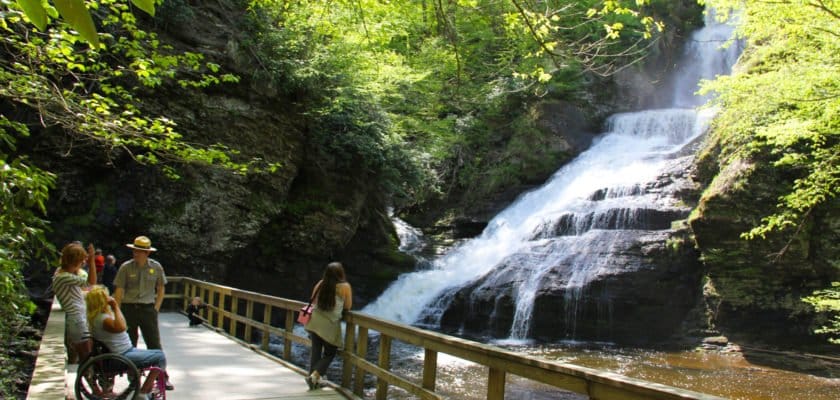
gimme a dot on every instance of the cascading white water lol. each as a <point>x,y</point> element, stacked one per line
<point>629,155</point>
<point>411,238</point>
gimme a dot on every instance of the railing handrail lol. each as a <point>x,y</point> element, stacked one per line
<point>594,383</point>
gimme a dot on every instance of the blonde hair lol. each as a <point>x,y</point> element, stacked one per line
<point>96,301</point>
<point>72,254</point>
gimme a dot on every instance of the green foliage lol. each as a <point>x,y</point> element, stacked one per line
<point>828,301</point>
<point>23,195</point>
<point>91,92</point>
<point>795,121</point>
<point>74,12</point>
<point>345,83</point>
<point>405,88</point>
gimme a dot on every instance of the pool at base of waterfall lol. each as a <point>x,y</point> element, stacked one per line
<point>737,375</point>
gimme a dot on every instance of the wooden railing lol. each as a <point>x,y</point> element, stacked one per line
<point>243,314</point>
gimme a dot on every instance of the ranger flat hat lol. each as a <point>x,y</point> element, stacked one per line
<point>141,243</point>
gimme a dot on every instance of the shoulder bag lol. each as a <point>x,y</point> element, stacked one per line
<point>306,312</point>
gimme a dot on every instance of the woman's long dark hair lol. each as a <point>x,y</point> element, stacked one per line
<point>333,275</point>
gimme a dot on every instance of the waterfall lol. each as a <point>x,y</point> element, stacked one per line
<point>411,238</point>
<point>575,222</point>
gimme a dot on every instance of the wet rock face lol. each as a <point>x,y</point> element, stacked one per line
<point>639,295</point>
<point>618,274</point>
<point>758,290</point>
<point>644,301</point>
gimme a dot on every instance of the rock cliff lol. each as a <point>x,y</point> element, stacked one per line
<point>755,287</point>
<point>268,232</point>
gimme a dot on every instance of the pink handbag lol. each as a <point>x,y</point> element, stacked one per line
<point>304,314</point>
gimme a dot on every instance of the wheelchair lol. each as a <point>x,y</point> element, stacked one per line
<point>109,376</point>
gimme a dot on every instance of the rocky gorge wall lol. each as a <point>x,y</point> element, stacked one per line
<point>754,287</point>
<point>267,232</point>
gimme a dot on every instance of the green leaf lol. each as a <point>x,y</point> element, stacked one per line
<point>35,11</point>
<point>78,17</point>
<point>146,5</point>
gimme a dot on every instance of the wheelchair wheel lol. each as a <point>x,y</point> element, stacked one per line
<point>107,377</point>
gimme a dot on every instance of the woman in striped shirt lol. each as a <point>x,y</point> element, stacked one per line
<point>67,284</point>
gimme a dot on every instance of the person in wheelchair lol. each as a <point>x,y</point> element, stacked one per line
<point>108,326</point>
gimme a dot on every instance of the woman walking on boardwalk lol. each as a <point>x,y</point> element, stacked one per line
<point>333,296</point>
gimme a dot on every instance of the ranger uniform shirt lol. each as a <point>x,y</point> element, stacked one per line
<point>139,283</point>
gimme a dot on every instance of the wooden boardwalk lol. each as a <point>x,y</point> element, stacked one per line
<point>202,364</point>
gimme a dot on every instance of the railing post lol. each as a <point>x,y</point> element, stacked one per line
<point>192,292</point>
<point>384,363</point>
<point>206,311</point>
<point>211,313</point>
<point>347,368</point>
<point>361,351</point>
<point>234,309</point>
<point>496,384</point>
<point>185,298</point>
<point>249,314</point>
<point>287,330</point>
<point>267,322</point>
<point>220,317</point>
<point>429,370</point>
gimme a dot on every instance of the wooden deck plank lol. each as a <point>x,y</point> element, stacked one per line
<point>48,377</point>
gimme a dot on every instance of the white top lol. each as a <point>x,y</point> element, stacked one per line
<point>115,342</point>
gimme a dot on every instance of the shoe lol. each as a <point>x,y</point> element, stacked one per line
<point>169,385</point>
<point>311,383</point>
<point>142,396</point>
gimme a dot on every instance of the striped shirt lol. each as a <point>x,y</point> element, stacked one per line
<point>68,290</point>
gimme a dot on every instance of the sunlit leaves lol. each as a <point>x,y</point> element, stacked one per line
<point>78,17</point>
<point>787,102</point>
<point>74,12</point>
<point>36,12</point>
<point>613,30</point>
<point>828,301</point>
<point>599,37</point>
<point>146,5</point>
<point>49,72</point>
